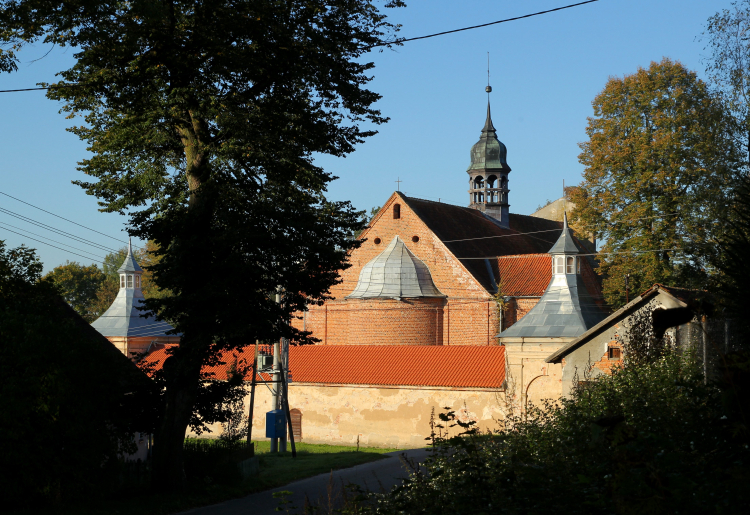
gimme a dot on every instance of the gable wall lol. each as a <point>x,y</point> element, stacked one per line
<point>467,317</point>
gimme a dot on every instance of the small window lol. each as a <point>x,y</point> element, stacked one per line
<point>570,268</point>
<point>415,239</point>
<point>137,281</point>
<point>614,353</point>
<point>122,281</point>
<point>130,281</point>
<point>559,265</point>
<point>376,241</point>
<point>396,211</point>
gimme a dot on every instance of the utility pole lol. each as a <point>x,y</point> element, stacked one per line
<point>283,397</point>
<point>627,288</point>
<point>252,397</point>
<point>275,377</point>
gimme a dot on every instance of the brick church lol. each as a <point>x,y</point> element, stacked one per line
<point>430,273</point>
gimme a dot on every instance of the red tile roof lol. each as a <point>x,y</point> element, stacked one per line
<point>526,275</point>
<point>460,366</point>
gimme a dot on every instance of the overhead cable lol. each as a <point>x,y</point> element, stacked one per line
<point>50,239</point>
<point>394,42</point>
<point>49,244</point>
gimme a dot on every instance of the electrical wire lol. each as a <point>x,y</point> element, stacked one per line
<point>54,246</point>
<point>56,231</point>
<point>61,217</point>
<point>50,239</point>
<point>394,42</point>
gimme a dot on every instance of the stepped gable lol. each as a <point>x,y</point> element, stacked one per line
<point>450,223</point>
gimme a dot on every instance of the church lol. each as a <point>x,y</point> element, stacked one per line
<point>443,306</point>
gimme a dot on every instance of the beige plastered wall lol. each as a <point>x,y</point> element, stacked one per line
<point>530,380</point>
<point>395,417</point>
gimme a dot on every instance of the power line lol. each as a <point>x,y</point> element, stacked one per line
<point>49,244</point>
<point>595,253</point>
<point>394,42</point>
<point>58,216</point>
<point>404,40</point>
<point>503,236</point>
<point>50,239</point>
<point>56,231</point>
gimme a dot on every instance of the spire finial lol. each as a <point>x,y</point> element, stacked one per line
<point>130,244</point>
<point>488,89</point>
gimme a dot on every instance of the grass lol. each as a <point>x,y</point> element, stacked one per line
<point>276,470</point>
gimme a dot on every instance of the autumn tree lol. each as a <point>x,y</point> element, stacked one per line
<point>660,164</point>
<point>79,285</point>
<point>202,120</point>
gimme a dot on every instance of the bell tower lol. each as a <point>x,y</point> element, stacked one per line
<point>488,172</point>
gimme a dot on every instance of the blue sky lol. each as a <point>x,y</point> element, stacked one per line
<point>545,71</point>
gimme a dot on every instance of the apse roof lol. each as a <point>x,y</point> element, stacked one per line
<point>395,273</point>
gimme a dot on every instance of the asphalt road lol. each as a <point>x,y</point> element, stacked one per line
<point>376,475</point>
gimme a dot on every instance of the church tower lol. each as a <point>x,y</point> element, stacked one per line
<point>488,173</point>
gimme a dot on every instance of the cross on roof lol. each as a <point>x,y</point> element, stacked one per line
<point>398,181</point>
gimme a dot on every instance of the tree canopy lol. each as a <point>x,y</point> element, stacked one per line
<point>202,120</point>
<point>79,286</point>
<point>660,163</point>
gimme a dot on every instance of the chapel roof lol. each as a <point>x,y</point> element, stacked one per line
<point>395,273</point>
<point>125,317</point>
<point>470,235</point>
<point>386,365</point>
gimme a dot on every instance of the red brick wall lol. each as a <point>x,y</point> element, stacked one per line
<point>605,364</point>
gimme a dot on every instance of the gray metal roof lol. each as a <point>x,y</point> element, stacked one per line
<point>395,273</point>
<point>565,243</point>
<point>566,310</point>
<point>130,264</point>
<point>123,318</point>
<point>489,153</point>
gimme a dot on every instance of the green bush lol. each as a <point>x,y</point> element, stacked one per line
<point>652,438</point>
<point>214,461</point>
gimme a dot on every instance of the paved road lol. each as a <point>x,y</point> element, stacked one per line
<point>384,473</point>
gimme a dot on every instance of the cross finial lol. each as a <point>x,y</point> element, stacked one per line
<point>398,184</point>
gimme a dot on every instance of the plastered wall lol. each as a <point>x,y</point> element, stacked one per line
<point>381,417</point>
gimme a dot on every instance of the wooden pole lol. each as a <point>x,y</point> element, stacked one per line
<point>252,397</point>
<point>288,415</point>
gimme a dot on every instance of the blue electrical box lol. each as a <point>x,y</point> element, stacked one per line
<point>275,424</point>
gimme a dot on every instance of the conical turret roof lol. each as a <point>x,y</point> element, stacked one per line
<point>565,243</point>
<point>124,318</point>
<point>395,273</point>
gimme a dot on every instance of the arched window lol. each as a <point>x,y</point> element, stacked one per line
<point>122,281</point>
<point>503,183</point>
<point>137,281</point>
<point>559,265</point>
<point>491,181</point>
<point>478,183</point>
<point>130,281</point>
<point>396,211</point>
<point>570,265</point>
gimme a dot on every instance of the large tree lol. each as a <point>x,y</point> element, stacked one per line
<point>202,119</point>
<point>660,164</point>
<point>728,39</point>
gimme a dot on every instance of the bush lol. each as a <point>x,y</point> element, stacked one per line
<point>651,438</point>
<point>214,461</point>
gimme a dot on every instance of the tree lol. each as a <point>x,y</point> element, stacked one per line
<point>202,120</point>
<point>728,67</point>
<point>660,165</point>
<point>79,285</point>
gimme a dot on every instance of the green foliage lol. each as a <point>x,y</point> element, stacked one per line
<point>79,285</point>
<point>660,165</point>
<point>202,120</point>
<point>365,218</point>
<point>652,438</point>
<point>69,402</point>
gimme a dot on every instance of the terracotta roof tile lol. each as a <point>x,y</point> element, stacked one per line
<point>460,366</point>
<point>526,275</point>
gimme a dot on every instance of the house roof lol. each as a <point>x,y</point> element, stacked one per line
<point>460,366</point>
<point>395,273</point>
<point>681,295</point>
<point>470,235</point>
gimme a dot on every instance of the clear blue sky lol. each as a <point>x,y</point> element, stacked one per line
<point>545,71</point>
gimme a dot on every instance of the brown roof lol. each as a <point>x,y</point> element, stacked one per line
<point>470,234</point>
<point>384,365</point>
<point>525,275</point>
